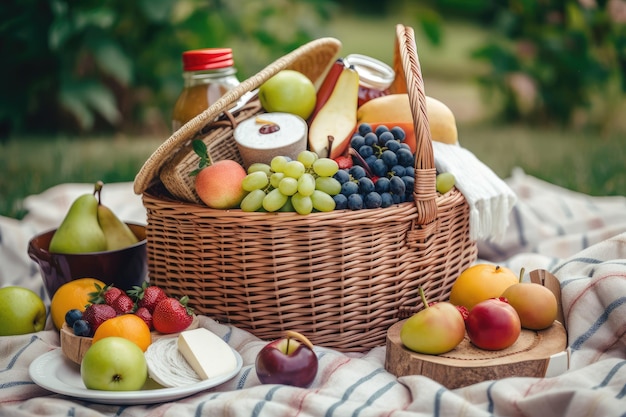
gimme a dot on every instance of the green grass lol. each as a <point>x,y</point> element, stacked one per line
<point>32,165</point>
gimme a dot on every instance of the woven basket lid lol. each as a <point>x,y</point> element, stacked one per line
<point>313,59</point>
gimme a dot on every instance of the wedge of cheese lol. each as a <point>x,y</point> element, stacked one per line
<point>206,353</point>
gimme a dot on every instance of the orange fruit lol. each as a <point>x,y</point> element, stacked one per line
<point>129,326</point>
<point>481,282</point>
<point>72,295</point>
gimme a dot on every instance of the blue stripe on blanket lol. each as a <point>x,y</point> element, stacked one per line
<point>19,352</point>
<point>379,393</point>
<point>268,397</point>
<point>599,322</point>
<point>351,389</point>
<point>610,375</point>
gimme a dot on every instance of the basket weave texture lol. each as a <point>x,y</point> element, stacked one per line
<point>343,277</point>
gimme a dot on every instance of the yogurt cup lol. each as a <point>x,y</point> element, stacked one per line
<point>266,135</point>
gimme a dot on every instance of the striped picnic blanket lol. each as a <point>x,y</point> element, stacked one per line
<point>581,239</point>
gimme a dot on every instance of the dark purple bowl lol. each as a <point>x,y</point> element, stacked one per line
<point>124,268</point>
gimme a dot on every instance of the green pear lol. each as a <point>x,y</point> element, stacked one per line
<point>436,329</point>
<point>80,231</point>
<point>118,234</point>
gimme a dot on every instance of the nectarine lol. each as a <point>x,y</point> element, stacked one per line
<point>219,184</point>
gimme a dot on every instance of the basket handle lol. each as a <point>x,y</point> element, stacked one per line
<point>409,79</point>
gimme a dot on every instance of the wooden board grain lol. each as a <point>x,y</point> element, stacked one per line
<point>467,364</point>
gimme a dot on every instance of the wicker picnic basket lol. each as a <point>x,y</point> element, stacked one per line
<point>342,278</point>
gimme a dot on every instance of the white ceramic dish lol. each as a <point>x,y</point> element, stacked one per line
<point>54,372</point>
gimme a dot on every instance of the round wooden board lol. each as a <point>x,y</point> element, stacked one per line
<point>466,364</point>
<point>74,347</point>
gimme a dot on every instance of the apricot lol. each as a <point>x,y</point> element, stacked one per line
<point>535,304</point>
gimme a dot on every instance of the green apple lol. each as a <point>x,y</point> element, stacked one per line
<point>288,91</point>
<point>21,311</point>
<point>114,364</point>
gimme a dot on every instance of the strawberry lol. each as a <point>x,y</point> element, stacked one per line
<point>144,314</point>
<point>172,315</point>
<point>96,314</point>
<point>344,162</point>
<point>111,295</point>
<point>148,296</point>
<point>104,295</point>
<point>123,304</point>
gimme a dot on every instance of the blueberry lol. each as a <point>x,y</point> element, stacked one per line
<point>382,185</point>
<point>370,160</point>
<point>398,170</point>
<point>371,139</point>
<point>409,183</point>
<point>72,315</point>
<point>398,133</point>
<point>82,328</point>
<point>385,137</point>
<point>364,129</point>
<point>379,167</point>
<point>389,157</point>
<point>342,176</point>
<point>357,141</point>
<point>393,145</point>
<point>380,129</point>
<point>341,201</point>
<point>357,172</point>
<point>366,150</point>
<point>397,186</point>
<point>405,157</point>
<point>386,199</point>
<point>397,198</point>
<point>372,200</point>
<point>349,188</point>
<point>366,185</point>
<point>355,202</point>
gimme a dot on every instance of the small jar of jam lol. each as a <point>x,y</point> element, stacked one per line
<point>375,77</point>
<point>208,74</point>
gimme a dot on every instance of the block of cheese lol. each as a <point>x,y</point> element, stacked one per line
<point>206,353</point>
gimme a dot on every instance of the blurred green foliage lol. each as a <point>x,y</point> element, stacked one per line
<point>84,66</point>
<point>551,59</point>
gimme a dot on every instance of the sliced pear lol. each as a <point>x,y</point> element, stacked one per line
<point>337,118</point>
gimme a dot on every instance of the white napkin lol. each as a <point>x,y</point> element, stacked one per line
<point>489,197</point>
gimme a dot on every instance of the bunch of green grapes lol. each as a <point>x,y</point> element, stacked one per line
<point>301,185</point>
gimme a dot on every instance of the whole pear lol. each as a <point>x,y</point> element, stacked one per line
<point>535,304</point>
<point>436,329</point>
<point>80,231</point>
<point>118,234</point>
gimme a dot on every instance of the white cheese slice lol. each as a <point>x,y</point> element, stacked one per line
<point>206,353</point>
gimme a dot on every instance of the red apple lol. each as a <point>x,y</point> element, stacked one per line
<point>219,184</point>
<point>493,324</point>
<point>289,360</point>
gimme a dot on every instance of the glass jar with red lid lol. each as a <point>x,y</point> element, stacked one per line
<point>208,74</point>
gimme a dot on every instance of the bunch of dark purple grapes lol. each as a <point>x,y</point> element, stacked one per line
<point>383,172</point>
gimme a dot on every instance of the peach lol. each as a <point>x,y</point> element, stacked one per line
<point>219,184</point>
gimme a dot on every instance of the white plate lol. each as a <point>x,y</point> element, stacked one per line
<point>54,372</point>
